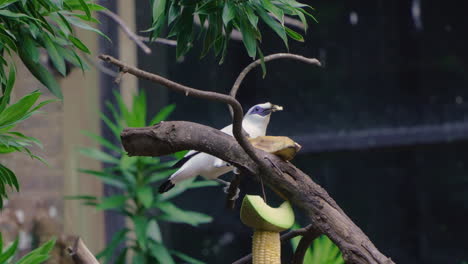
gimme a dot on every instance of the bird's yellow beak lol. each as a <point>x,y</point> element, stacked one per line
<point>275,108</point>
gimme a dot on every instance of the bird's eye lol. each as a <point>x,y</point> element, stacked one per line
<point>257,109</point>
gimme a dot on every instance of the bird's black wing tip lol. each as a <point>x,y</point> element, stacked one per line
<point>166,186</point>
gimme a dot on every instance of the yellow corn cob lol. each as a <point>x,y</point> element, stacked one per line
<point>266,248</point>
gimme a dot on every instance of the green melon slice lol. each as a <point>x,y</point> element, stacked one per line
<point>257,214</point>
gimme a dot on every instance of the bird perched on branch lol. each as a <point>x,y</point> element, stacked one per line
<point>196,163</point>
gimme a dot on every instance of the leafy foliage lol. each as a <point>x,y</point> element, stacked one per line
<point>28,25</point>
<point>222,17</point>
<point>322,250</point>
<point>37,256</point>
<point>12,141</point>
<point>134,176</point>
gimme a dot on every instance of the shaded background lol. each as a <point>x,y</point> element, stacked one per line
<point>383,125</point>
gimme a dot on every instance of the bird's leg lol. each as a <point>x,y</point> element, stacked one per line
<point>233,192</point>
<point>227,189</point>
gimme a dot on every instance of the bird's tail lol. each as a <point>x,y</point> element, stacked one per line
<point>178,176</point>
<point>166,186</point>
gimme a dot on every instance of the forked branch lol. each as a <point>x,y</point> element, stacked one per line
<point>169,137</point>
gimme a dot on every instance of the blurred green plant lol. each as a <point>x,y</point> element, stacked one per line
<point>28,25</point>
<point>222,17</point>
<point>12,141</point>
<point>138,202</point>
<point>37,256</point>
<point>322,250</point>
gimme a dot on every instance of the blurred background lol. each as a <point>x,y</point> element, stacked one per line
<point>383,126</point>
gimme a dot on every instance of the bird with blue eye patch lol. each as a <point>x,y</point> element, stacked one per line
<point>196,163</point>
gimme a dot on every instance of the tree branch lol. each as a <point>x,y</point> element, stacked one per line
<point>326,216</point>
<point>169,137</point>
<point>131,35</point>
<point>236,106</point>
<point>268,58</point>
<point>307,238</point>
<point>81,254</point>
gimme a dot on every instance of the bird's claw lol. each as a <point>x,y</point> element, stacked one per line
<point>226,191</point>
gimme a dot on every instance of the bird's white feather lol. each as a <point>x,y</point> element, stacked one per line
<point>211,167</point>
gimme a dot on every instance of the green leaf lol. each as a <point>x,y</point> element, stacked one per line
<point>107,178</point>
<point>157,176</point>
<point>41,73</point>
<point>145,195</point>
<point>248,36</point>
<point>109,251</point>
<point>186,258</point>
<point>140,224</point>
<point>98,155</point>
<point>85,7</point>
<point>9,252</point>
<point>13,181</point>
<point>160,252</point>
<point>38,255</point>
<point>204,183</point>
<point>5,99</point>
<point>173,214</point>
<point>163,114</point>
<point>112,202</point>
<point>277,27</point>
<point>19,110</point>
<point>56,58</point>
<point>294,35</point>
<point>229,12</point>
<point>79,197</point>
<point>158,9</point>
<point>30,48</point>
<point>77,43</point>
<point>153,231</point>
<point>102,141</point>
<point>8,13</point>
<point>85,26</point>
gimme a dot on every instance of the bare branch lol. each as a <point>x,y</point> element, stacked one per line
<point>188,91</point>
<point>310,235</point>
<point>100,67</point>
<point>164,41</point>
<point>268,58</point>
<point>323,212</point>
<point>284,238</point>
<point>232,191</point>
<point>81,254</point>
<point>169,137</point>
<point>131,35</point>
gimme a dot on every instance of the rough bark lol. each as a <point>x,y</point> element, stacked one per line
<point>325,215</point>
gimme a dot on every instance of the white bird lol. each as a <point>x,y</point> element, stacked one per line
<point>196,163</point>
